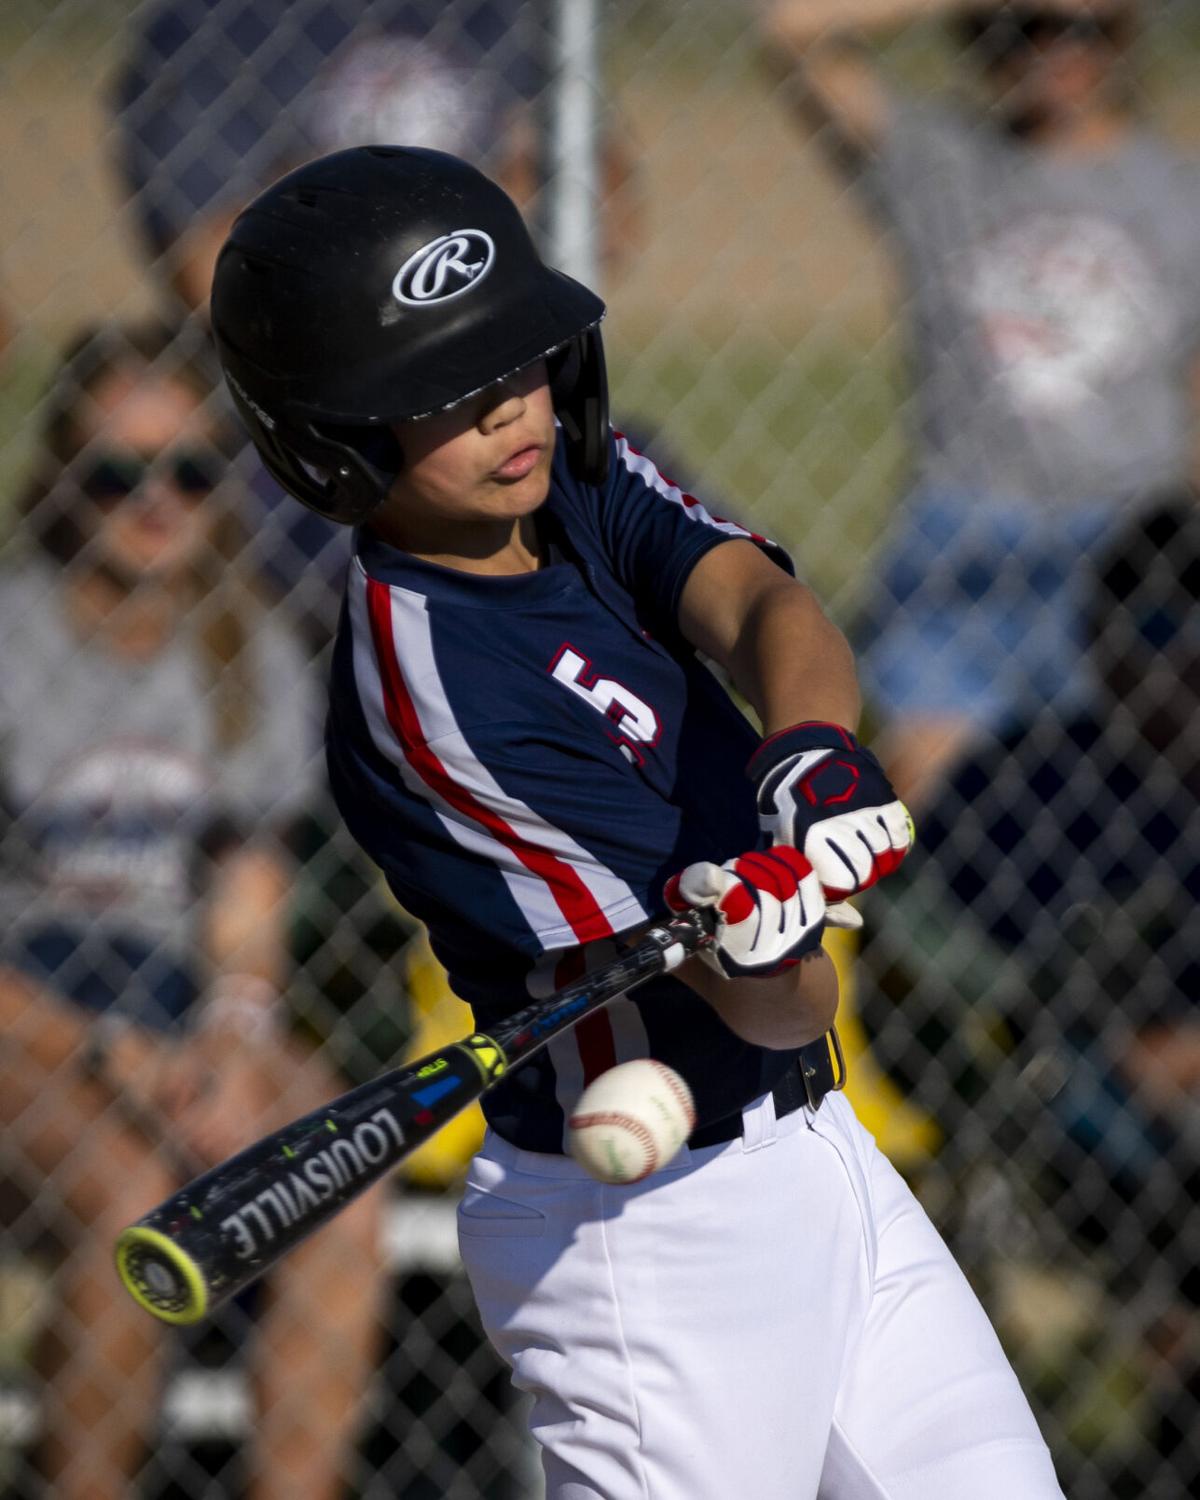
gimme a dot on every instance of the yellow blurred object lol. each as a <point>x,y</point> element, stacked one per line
<point>905,1135</point>
<point>439,1017</point>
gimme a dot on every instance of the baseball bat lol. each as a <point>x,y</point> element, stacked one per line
<point>218,1234</point>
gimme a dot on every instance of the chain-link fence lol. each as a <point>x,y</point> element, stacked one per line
<point>912,287</point>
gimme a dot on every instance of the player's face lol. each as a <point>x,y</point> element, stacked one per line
<point>484,462</point>
<point>146,468</point>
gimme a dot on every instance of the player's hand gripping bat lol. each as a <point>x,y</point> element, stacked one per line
<point>222,1231</point>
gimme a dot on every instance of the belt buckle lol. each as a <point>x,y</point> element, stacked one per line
<point>810,1072</point>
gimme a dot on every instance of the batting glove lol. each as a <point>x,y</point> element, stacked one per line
<point>820,791</point>
<point>769,907</point>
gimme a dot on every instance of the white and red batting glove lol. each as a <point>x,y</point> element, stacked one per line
<point>820,791</point>
<point>770,911</point>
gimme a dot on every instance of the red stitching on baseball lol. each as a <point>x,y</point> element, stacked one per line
<point>677,1086</point>
<point>640,1133</point>
<point>613,1117</point>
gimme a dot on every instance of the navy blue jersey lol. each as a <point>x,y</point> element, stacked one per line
<point>528,758</point>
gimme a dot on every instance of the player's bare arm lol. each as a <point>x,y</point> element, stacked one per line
<point>783,1011</point>
<point>818,789</point>
<point>792,664</point>
<point>783,653</point>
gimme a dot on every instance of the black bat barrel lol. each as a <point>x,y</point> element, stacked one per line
<point>222,1230</point>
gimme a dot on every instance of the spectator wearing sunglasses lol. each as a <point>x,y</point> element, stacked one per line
<point>217,98</point>
<point>1047,241</point>
<point>157,735</point>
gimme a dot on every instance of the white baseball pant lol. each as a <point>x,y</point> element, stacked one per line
<point>774,1318</point>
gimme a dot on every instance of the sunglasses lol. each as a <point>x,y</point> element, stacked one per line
<point>113,477</point>
<point>1018,33</point>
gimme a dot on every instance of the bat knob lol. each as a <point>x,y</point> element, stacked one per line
<point>161,1276</point>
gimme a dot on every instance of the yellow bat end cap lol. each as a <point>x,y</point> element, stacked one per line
<point>160,1276</point>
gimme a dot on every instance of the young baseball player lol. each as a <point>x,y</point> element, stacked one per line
<point>524,735</point>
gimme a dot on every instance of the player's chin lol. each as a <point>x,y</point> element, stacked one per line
<point>518,497</point>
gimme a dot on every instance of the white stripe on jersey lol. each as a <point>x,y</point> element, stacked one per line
<point>637,464</point>
<point>629,1030</point>
<point>413,641</point>
<point>569,1080</point>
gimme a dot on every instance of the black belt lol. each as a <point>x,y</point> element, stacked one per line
<point>820,1069</point>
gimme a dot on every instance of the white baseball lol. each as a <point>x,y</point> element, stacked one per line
<point>631,1120</point>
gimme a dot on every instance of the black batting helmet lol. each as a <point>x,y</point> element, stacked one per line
<point>383,283</point>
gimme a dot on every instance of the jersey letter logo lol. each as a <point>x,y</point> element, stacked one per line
<point>444,268</point>
<point>635,722</point>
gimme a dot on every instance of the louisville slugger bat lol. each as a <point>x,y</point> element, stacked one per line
<point>223,1230</point>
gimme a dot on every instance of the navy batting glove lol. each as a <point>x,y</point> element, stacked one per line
<point>820,791</point>
<point>769,908</point>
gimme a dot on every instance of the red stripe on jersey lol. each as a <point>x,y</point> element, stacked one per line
<point>597,1045</point>
<point>594,1034</point>
<point>572,897</point>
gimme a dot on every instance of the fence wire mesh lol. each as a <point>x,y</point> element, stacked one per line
<point>911,287</point>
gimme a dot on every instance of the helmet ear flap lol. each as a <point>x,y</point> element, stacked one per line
<point>579,387</point>
<point>341,473</point>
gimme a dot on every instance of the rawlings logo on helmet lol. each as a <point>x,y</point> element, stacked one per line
<point>441,269</point>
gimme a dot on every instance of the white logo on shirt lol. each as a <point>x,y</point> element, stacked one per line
<point>442,269</point>
<point>114,824</point>
<point>1066,303</point>
<point>633,719</point>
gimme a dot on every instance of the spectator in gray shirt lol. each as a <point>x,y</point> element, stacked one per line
<point>157,737</point>
<point>1048,244</point>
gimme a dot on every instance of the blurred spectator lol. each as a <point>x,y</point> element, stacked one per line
<point>1064,853</point>
<point>217,98</point>
<point>157,733</point>
<point>1047,241</point>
